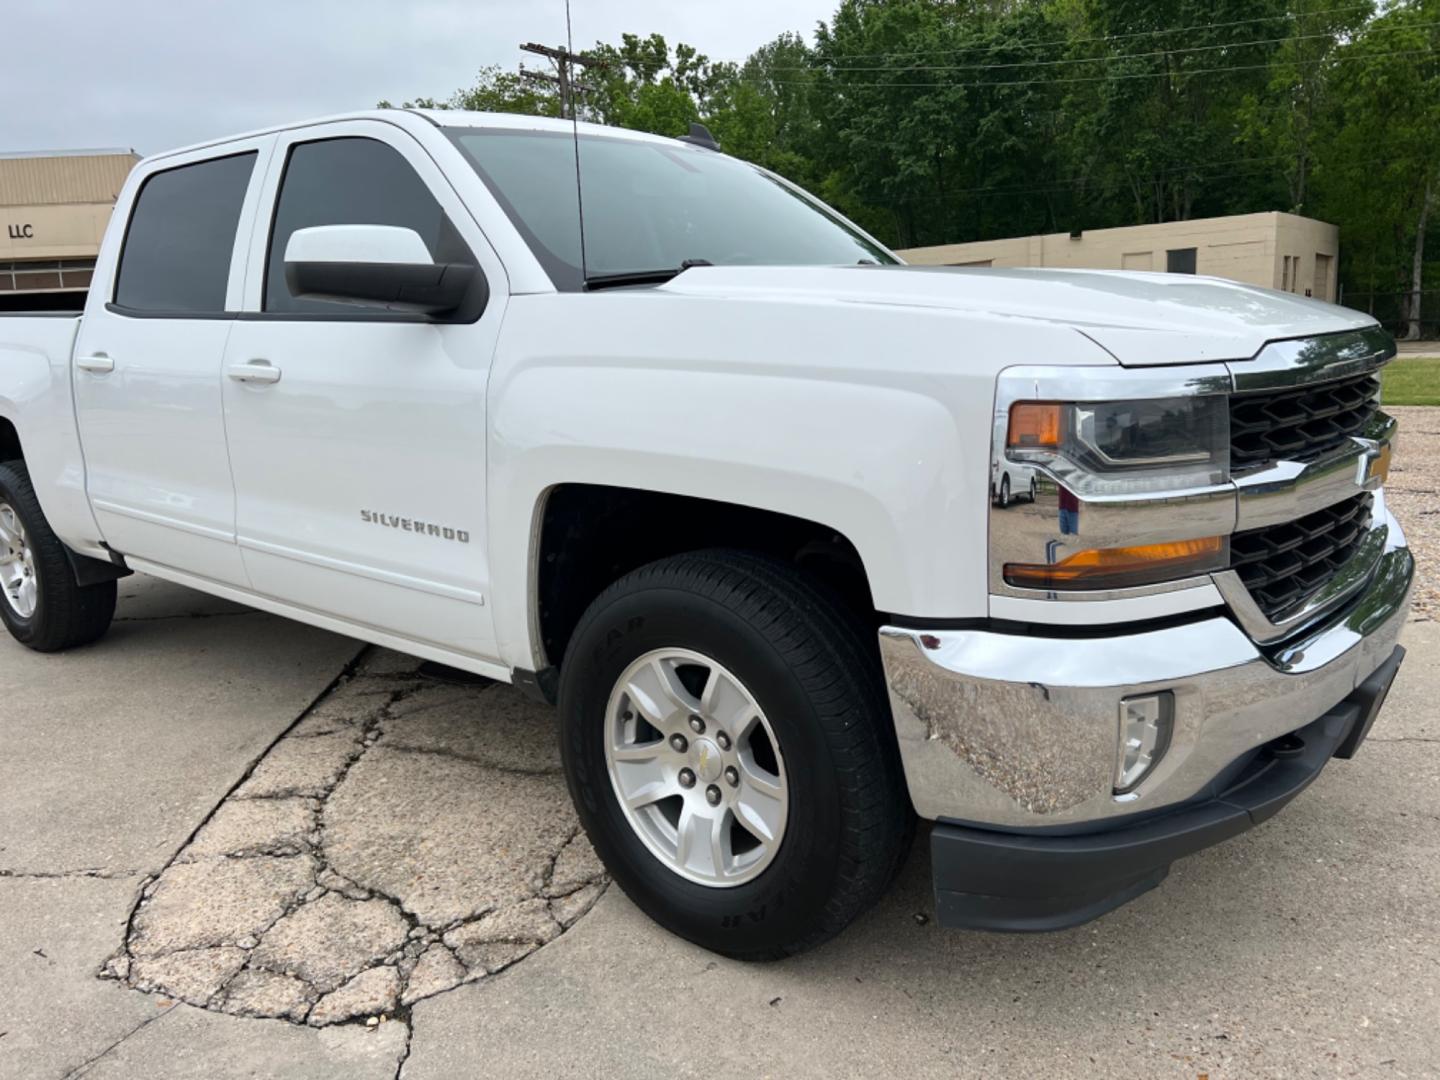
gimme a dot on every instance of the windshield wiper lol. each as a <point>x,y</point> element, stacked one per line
<point>641,277</point>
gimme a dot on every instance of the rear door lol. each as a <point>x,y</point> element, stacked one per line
<point>147,363</point>
<point>360,470</point>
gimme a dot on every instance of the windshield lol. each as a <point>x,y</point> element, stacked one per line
<point>652,206</point>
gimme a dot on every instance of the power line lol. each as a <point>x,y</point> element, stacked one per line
<point>994,46</point>
<point>832,68</point>
<point>565,62</point>
<point>1201,173</point>
<point>1081,181</point>
<point>938,85</point>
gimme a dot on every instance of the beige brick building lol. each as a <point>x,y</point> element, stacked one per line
<point>53,211</point>
<point>1278,251</point>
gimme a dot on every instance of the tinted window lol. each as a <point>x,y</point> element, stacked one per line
<point>352,182</point>
<point>1180,261</point>
<point>652,205</point>
<point>181,236</point>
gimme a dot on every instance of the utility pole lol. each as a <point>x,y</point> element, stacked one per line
<point>565,62</point>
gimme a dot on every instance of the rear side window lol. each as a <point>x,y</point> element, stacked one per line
<point>176,258</point>
<point>352,181</point>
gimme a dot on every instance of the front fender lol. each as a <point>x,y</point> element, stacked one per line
<point>873,420</point>
<point>807,450</point>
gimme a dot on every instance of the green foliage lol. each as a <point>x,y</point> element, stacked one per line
<point>1379,164</point>
<point>942,121</point>
<point>495,90</point>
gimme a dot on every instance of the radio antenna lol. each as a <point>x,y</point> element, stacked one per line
<point>567,91</point>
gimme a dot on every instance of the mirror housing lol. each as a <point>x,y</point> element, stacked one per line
<point>377,266</point>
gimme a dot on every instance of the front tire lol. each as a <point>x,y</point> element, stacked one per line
<point>1004,500</point>
<point>40,602</point>
<point>728,744</point>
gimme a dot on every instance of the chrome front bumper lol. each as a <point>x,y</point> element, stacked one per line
<point>1017,732</point>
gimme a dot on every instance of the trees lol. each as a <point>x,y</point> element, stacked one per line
<point>1379,169</point>
<point>932,113</point>
<point>495,90</point>
<point>1283,121</point>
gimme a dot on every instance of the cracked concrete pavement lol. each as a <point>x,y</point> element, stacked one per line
<point>404,837</point>
<point>234,846</point>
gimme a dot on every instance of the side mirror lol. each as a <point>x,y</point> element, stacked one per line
<point>379,266</point>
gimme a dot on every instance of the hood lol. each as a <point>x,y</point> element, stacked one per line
<point>1140,319</point>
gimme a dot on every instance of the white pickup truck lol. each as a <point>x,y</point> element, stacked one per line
<point>716,474</point>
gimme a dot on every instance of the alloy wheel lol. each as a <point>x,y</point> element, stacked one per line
<point>18,583</point>
<point>696,767</point>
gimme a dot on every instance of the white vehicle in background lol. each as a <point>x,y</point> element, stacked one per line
<point>1011,480</point>
<point>719,482</point>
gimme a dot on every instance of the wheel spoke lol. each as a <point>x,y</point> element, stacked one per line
<point>27,597</point>
<point>727,704</point>
<point>648,793</point>
<point>685,835</point>
<point>720,843</point>
<point>701,842</point>
<point>744,725</point>
<point>760,813</point>
<point>639,752</point>
<point>641,778</point>
<point>659,695</point>
<point>757,779</point>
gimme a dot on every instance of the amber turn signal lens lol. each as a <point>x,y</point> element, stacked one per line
<point>1034,426</point>
<point>1119,568</point>
<point>1379,465</point>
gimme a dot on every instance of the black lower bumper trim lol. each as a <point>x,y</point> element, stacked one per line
<point>1014,882</point>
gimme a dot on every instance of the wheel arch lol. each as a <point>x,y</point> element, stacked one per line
<point>587,536</point>
<point>10,445</point>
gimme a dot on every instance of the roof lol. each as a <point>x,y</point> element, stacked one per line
<point>438,117</point>
<point>33,179</point>
<point>6,155</point>
<point>521,122</point>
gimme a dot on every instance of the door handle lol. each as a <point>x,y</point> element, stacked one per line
<point>99,364</point>
<point>256,371</point>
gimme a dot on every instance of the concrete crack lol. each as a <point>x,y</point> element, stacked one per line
<point>86,872</point>
<point>332,886</point>
<point>472,759</point>
<point>405,1050</point>
<point>85,1066</point>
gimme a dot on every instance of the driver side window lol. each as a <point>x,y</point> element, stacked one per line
<point>351,181</point>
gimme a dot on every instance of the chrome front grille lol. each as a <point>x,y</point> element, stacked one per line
<point>1299,424</point>
<point>1282,566</point>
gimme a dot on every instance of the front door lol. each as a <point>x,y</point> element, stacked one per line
<point>360,469</point>
<point>147,367</point>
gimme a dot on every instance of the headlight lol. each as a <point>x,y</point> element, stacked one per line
<point>1135,487</point>
<point>1124,447</point>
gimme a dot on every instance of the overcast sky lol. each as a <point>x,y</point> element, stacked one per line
<point>155,74</point>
